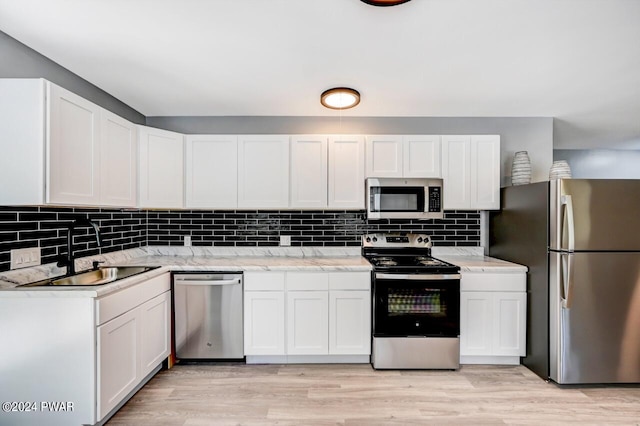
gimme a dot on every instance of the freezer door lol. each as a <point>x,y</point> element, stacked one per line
<point>594,317</point>
<point>595,214</point>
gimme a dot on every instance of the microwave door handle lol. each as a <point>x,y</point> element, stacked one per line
<point>567,206</point>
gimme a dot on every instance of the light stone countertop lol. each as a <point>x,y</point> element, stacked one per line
<point>472,259</point>
<point>187,259</point>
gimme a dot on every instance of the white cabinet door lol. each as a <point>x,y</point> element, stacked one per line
<point>118,161</point>
<point>118,360</point>
<point>307,322</point>
<point>263,171</point>
<point>161,168</point>
<point>509,330</point>
<point>476,323</point>
<point>456,173</point>
<point>350,322</point>
<point>421,156</point>
<point>155,332</point>
<point>384,156</point>
<point>308,171</point>
<point>346,172</point>
<point>73,149</point>
<point>485,172</point>
<point>264,323</point>
<point>211,168</point>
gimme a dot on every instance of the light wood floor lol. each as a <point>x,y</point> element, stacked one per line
<point>357,395</point>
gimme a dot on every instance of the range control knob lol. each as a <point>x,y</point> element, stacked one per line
<point>419,239</point>
<point>368,239</point>
<point>375,239</point>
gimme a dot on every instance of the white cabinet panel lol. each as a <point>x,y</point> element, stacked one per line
<point>264,323</point>
<point>456,173</point>
<point>308,171</point>
<point>211,168</point>
<point>346,172</point>
<point>307,322</point>
<point>384,156</point>
<point>118,360</point>
<point>509,326</point>
<point>161,168</point>
<point>155,333</point>
<point>476,323</point>
<point>263,171</point>
<point>485,172</point>
<point>421,156</point>
<point>350,322</point>
<point>118,161</point>
<point>73,148</point>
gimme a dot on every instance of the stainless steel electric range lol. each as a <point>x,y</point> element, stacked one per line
<point>416,304</point>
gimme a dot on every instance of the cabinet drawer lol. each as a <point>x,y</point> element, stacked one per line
<point>264,281</point>
<point>305,281</point>
<point>350,281</point>
<point>483,281</point>
<point>112,305</point>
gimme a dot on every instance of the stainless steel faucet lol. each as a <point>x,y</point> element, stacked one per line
<point>68,261</point>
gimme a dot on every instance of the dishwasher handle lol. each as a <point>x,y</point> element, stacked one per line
<point>208,281</point>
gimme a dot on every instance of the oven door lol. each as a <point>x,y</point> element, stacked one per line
<point>416,305</point>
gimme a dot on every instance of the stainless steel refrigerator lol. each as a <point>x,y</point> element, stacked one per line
<point>580,239</point>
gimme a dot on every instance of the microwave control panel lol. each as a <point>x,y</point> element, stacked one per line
<point>435,199</point>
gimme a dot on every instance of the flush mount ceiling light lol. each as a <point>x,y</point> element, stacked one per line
<point>384,2</point>
<point>340,98</point>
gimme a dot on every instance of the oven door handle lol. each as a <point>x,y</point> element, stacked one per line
<point>421,277</point>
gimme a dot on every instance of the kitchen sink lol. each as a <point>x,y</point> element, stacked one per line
<point>98,276</point>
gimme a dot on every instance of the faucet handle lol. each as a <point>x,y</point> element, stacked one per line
<point>96,263</point>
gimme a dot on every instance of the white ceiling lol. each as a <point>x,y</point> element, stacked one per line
<point>575,60</point>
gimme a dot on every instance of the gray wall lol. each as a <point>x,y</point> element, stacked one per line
<point>20,61</point>
<point>601,163</point>
<point>532,134</point>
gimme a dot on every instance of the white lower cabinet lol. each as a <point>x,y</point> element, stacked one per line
<point>264,323</point>
<point>307,322</point>
<point>307,316</point>
<point>493,318</point>
<point>133,338</point>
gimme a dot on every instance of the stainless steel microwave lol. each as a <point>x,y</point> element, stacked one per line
<point>404,198</point>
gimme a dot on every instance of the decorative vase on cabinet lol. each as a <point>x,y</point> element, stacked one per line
<point>560,169</point>
<point>521,168</point>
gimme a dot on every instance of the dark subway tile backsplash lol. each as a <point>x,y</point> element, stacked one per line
<point>45,227</point>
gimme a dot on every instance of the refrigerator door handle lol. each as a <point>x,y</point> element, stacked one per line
<point>567,206</point>
<point>567,280</point>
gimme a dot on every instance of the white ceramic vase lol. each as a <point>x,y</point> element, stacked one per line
<point>521,168</point>
<point>560,170</point>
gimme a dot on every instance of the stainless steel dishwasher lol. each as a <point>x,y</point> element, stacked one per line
<point>208,315</point>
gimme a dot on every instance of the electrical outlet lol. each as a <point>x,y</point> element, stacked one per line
<point>187,240</point>
<point>23,258</point>
<point>285,240</point>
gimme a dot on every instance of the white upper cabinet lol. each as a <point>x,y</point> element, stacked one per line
<point>74,149</point>
<point>403,156</point>
<point>346,172</point>
<point>485,172</point>
<point>421,155</point>
<point>263,171</point>
<point>471,172</point>
<point>118,161</point>
<point>85,154</point>
<point>161,168</point>
<point>22,141</point>
<point>211,168</point>
<point>384,156</point>
<point>456,173</point>
<point>308,171</point>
